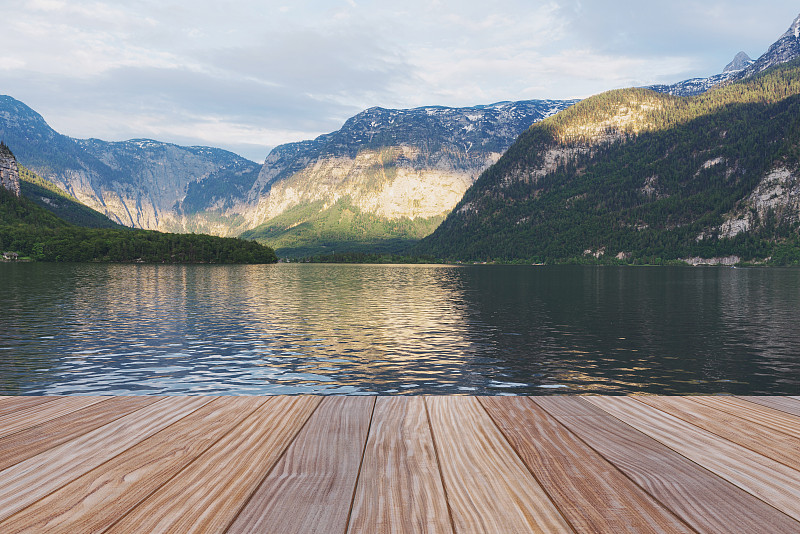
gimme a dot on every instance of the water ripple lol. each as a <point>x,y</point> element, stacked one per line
<point>348,329</point>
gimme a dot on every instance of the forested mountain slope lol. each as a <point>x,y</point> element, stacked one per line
<point>36,233</point>
<point>645,177</point>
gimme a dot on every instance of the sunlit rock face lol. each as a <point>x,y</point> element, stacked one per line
<point>392,163</point>
<point>9,173</point>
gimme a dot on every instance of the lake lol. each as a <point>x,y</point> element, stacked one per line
<point>395,329</point>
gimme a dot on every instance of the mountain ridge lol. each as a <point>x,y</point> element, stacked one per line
<point>394,174</point>
<point>637,176</point>
<point>786,48</point>
<point>388,164</point>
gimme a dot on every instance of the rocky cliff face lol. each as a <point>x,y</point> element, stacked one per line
<point>150,180</point>
<point>740,61</point>
<point>774,201</point>
<point>393,164</point>
<point>138,183</point>
<point>9,173</point>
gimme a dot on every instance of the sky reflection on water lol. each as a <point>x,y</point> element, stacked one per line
<point>349,329</point>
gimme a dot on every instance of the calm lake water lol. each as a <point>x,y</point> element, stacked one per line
<point>352,329</point>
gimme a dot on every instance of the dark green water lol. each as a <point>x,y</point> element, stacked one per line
<point>284,329</point>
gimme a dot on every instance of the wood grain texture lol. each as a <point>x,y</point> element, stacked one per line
<point>773,482</point>
<point>36,415</point>
<point>15,404</point>
<point>99,498</point>
<point>488,487</point>
<point>758,438</point>
<point>35,440</point>
<point>593,495</point>
<point>317,474</point>
<point>705,501</point>
<point>784,404</point>
<point>207,495</point>
<point>775,419</point>
<point>26,482</point>
<point>400,489</point>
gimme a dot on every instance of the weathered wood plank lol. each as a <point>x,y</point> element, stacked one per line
<point>775,419</point>
<point>96,500</point>
<point>489,488</point>
<point>591,493</point>
<point>400,488</point>
<point>22,419</point>
<point>26,482</point>
<point>705,501</point>
<point>758,438</point>
<point>15,404</point>
<point>784,404</point>
<point>208,494</point>
<point>35,440</point>
<point>763,477</point>
<point>317,474</point>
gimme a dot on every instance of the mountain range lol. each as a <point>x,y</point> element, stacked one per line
<point>638,175</point>
<point>388,178</point>
<point>786,48</point>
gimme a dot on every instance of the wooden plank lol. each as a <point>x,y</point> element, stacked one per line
<point>774,419</point>
<point>14,404</point>
<point>705,501</point>
<point>32,441</point>
<point>400,489</point>
<point>771,481</point>
<point>20,420</point>
<point>593,495</point>
<point>489,488</point>
<point>784,404</point>
<point>208,494</point>
<point>99,498</point>
<point>758,438</point>
<point>28,481</point>
<point>317,474</point>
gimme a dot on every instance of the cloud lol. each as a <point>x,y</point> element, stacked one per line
<point>250,74</point>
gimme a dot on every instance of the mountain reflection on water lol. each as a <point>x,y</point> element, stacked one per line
<point>378,329</point>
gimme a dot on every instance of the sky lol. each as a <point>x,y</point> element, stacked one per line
<point>252,74</point>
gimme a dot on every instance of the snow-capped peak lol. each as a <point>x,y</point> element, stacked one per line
<point>741,61</point>
<point>794,29</point>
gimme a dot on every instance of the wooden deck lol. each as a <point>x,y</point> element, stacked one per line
<point>399,464</point>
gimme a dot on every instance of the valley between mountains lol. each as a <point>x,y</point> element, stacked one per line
<point>702,170</point>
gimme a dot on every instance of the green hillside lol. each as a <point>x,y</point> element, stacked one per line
<point>311,229</point>
<point>36,233</point>
<point>642,176</point>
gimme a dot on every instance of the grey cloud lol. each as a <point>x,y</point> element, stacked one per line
<point>254,67</point>
<point>711,32</point>
<point>344,63</point>
<point>179,97</point>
